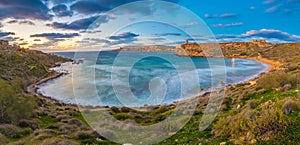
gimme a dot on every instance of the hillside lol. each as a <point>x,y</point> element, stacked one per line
<point>265,111</point>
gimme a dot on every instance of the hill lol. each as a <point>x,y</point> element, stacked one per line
<point>265,110</point>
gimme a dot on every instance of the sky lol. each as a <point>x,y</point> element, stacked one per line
<point>68,25</point>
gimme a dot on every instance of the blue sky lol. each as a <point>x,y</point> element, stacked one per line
<point>64,25</point>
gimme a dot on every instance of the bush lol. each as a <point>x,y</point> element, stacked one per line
<point>125,109</point>
<point>276,80</point>
<point>28,123</point>
<point>86,135</point>
<point>115,109</point>
<point>3,139</point>
<point>14,107</point>
<point>290,106</point>
<point>251,124</point>
<point>10,131</point>
<point>122,116</point>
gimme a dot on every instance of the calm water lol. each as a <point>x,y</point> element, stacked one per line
<point>152,78</point>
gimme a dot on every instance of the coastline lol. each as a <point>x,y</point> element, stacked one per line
<point>33,89</point>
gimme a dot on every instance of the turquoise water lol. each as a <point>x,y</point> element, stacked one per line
<point>153,78</point>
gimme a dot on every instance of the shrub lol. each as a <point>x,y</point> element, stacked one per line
<point>85,135</point>
<point>290,106</point>
<point>14,107</point>
<point>277,80</point>
<point>28,123</point>
<point>125,109</point>
<point>3,139</point>
<point>10,131</point>
<point>115,109</point>
<point>251,124</point>
<point>122,116</point>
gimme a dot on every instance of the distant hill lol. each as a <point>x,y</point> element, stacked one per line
<point>152,48</point>
<point>230,49</point>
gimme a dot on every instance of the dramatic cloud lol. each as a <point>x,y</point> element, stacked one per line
<point>96,6</point>
<point>90,7</point>
<point>21,9</point>
<point>123,36</point>
<point>227,25</point>
<point>52,36</point>
<point>24,22</point>
<point>1,25</point>
<point>62,11</point>
<point>225,15</point>
<point>82,24</point>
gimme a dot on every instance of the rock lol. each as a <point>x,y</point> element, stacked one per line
<point>238,106</point>
<point>253,141</point>
<point>223,143</point>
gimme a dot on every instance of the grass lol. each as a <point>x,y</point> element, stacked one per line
<point>45,121</point>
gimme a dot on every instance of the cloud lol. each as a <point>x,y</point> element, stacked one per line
<point>21,9</point>
<point>169,34</point>
<point>126,35</point>
<point>4,34</point>
<point>82,24</point>
<point>157,39</point>
<point>225,15</point>
<point>272,9</point>
<point>23,22</point>
<point>89,7</point>
<point>62,11</point>
<point>270,35</point>
<point>100,6</point>
<point>53,36</point>
<point>1,25</point>
<point>90,31</point>
<point>282,6</point>
<point>269,1</point>
<point>227,25</point>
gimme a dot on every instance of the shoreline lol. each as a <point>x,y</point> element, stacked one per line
<point>33,88</point>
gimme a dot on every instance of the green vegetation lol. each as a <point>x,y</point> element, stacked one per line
<point>267,112</point>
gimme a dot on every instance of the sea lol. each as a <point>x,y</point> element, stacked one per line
<point>135,79</point>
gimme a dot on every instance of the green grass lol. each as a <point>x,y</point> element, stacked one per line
<point>45,121</point>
